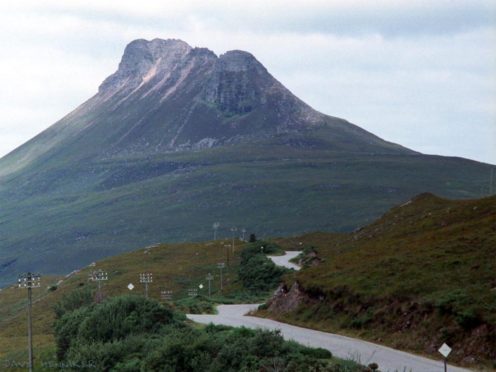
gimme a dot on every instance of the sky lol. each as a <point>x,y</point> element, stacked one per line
<point>419,73</point>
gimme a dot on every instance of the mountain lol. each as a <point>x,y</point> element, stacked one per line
<point>167,96</point>
<point>178,138</point>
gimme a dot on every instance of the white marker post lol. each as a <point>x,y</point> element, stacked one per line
<point>445,350</point>
<point>130,286</point>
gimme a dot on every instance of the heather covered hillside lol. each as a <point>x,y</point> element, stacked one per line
<point>422,274</point>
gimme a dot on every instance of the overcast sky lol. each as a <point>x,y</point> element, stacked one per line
<point>419,73</point>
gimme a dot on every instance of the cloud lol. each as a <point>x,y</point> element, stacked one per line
<point>420,73</point>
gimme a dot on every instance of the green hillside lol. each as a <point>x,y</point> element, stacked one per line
<point>421,275</point>
<point>125,331</point>
<point>177,267</point>
<point>98,209</point>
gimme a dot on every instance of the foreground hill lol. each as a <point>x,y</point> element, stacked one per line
<point>421,275</point>
<point>179,138</point>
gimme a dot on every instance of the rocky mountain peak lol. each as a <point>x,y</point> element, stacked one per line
<point>240,61</point>
<point>143,59</point>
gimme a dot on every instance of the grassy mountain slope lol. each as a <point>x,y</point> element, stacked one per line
<point>423,274</point>
<point>54,219</point>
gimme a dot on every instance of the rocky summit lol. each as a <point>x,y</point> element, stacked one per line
<point>167,96</point>
<point>178,138</point>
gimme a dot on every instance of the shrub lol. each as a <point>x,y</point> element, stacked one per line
<point>72,301</point>
<point>136,334</point>
<point>113,320</point>
<point>66,330</point>
<point>467,319</point>
<point>318,353</point>
<point>373,366</point>
<point>258,273</point>
<point>122,316</point>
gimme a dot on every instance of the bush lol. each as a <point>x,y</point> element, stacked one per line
<point>136,334</point>
<point>467,319</point>
<point>72,301</point>
<point>252,249</point>
<point>66,330</point>
<point>195,305</point>
<point>122,316</point>
<point>318,353</point>
<point>361,320</point>
<point>459,304</point>
<point>258,273</point>
<point>113,320</point>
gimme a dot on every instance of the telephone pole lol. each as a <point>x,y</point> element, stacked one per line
<point>233,230</point>
<point>29,281</point>
<point>146,278</point>
<point>227,247</point>
<point>221,266</point>
<point>209,278</point>
<point>166,295</point>
<point>99,276</point>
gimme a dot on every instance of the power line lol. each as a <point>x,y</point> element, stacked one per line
<point>99,276</point>
<point>29,281</point>
<point>166,295</point>
<point>146,278</point>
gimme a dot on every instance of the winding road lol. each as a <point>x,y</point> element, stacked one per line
<point>284,260</point>
<point>344,347</point>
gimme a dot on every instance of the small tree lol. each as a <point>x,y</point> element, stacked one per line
<point>253,238</point>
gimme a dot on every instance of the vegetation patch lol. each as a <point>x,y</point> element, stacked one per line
<point>256,272</point>
<point>132,333</point>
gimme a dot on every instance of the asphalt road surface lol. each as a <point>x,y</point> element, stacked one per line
<point>284,260</point>
<point>341,346</point>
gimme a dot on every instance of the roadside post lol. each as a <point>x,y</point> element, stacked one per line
<point>445,350</point>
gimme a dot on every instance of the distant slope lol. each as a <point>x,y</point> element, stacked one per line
<point>178,138</point>
<point>423,274</point>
